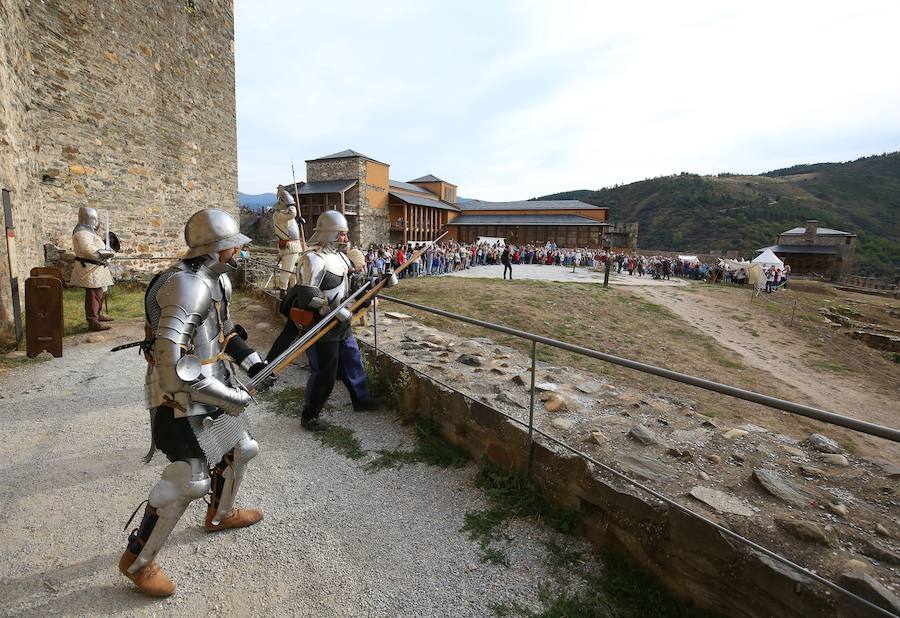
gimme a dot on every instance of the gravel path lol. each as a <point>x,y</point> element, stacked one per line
<point>336,540</point>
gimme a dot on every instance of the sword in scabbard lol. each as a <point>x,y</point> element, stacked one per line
<point>301,345</point>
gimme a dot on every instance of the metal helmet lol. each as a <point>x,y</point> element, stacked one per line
<point>89,216</point>
<point>329,224</point>
<point>212,230</point>
<point>285,199</point>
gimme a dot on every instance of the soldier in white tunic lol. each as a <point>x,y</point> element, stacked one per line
<point>290,245</point>
<point>91,269</point>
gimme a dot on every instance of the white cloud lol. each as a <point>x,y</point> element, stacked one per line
<point>516,99</point>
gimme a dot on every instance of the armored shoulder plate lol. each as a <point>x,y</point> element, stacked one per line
<point>188,291</point>
<point>311,269</point>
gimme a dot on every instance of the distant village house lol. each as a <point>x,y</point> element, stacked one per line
<point>814,250</point>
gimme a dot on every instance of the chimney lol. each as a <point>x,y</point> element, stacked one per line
<point>809,235</point>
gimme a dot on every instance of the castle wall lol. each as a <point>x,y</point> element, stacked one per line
<point>132,112</point>
<point>17,147</point>
<point>137,116</point>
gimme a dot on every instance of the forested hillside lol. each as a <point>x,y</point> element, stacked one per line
<point>698,213</point>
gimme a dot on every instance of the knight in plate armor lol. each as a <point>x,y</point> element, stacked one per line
<point>290,245</point>
<point>194,398</point>
<point>323,282</point>
<point>91,269</point>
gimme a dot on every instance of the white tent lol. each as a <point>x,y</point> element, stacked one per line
<point>491,240</point>
<point>688,258</point>
<point>767,259</point>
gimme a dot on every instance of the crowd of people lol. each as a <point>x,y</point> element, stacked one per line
<point>452,256</point>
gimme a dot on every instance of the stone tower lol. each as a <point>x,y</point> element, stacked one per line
<point>365,203</point>
<point>125,106</point>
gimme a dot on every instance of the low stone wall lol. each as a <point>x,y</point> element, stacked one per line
<point>692,558</point>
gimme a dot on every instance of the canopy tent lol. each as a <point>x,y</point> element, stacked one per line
<point>767,259</point>
<point>688,258</point>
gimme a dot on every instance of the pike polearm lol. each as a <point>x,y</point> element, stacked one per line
<point>305,342</point>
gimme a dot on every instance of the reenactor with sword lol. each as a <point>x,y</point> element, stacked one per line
<point>91,269</point>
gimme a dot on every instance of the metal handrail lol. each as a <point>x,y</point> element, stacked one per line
<point>794,408</point>
<point>888,433</point>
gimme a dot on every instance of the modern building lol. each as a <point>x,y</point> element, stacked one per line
<point>814,250</point>
<point>380,209</point>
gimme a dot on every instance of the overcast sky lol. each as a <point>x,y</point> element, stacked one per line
<point>511,100</point>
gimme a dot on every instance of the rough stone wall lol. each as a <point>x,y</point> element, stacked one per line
<point>17,147</point>
<point>373,216</point>
<point>128,107</point>
<point>369,225</point>
<point>136,116</point>
<point>689,556</point>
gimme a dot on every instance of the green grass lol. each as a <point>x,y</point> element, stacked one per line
<point>620,590</point>
<point>8,363</point>
<point>342,440</point>
<point>828,366</point>
<point>287,401</point>
<point>511,496</point>
<point>125,301</point>
<point>431,448</point>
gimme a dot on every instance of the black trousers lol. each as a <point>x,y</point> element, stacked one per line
<point>507,266</point>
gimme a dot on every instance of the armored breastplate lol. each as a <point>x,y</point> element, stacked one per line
<point>335,284</point>
<point>206,341</point>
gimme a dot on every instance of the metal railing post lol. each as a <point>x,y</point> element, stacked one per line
<point>531,406</point>
<point>375,322</point>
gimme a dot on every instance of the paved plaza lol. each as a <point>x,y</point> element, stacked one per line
<point>534,272</point>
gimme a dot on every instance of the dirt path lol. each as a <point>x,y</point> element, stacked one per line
<point>336,540</point>
<point>780,352</point>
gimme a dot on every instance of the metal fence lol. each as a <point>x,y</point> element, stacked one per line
<point>873,429</point>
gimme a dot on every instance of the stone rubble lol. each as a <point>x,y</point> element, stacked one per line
<point>801,493</point>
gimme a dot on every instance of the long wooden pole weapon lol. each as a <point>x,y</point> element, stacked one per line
<point>278,366</point>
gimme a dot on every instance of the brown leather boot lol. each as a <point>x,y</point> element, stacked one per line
<point>97,326</point>
<point>104,318</point>
<point>237,518</point>
<point>149,579</point>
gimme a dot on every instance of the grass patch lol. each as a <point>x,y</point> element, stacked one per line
<point>511,495</point>
<point>342,440</point>
<point>559,557</point>
<point>287,401</point>
<point>621,590</point>
<point>125,301</point>
<point>658,310</point>
<point>8,363</point>
<point>827,366</point>
<point>431,449</point>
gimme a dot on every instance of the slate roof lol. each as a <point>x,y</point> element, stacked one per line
<point>822,231</point>
<point>530,205</point>
<point>423,200</point>
<point>776,249</point>
<point>408,187</point>
<point>322,186</point>
<point>467,219</point>
<point>429,178</point>
<point>346,154</point>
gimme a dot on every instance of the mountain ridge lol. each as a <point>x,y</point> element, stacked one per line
<point>689,212</point>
